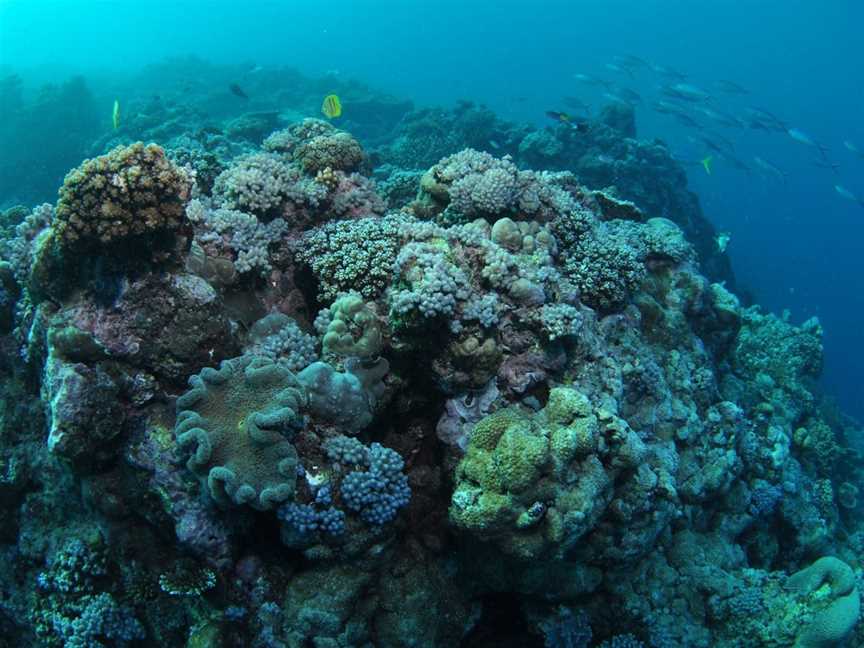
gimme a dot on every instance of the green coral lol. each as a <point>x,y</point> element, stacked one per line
<point>353,330</point>
<point>829,586</point>
<point>239,419</point>
<point>531,482</point>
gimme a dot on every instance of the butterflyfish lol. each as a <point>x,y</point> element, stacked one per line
<point>331,107</point>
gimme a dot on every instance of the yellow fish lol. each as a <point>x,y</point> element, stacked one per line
<point>706,164</point>
<point>331,107</point>
<point>115,114</point>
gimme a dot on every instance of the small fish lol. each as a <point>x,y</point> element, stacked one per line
<point>614,67</point>
<point>804,138</point>
<point>630,61</point>
<point>115,114</point>
<point>666,107</point>
<point>825,164</point>
<point>720,118</point>
<point>688,121</point>
<point>850,145</point>
<point>722,241</point>
<point>769,168</point>
<point>237,91</point>
<point>706,164</point>
<point>730,87</point>
<point>769,119</point>
<point>718,144</point>
<point>555,115</point>
<point>331,107</point>
<point>630,95</point>
<point>495,145</point>
<point>565,118</point>
<point>668,72</point>
<point>616,98</point>
<point>736,163</point>
<point>848,195</point>
<point>587,79</point>
<point>755,124</point>
<point>687,92</point>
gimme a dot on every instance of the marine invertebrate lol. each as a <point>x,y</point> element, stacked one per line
<point>346,398</point>
<point>238,421</point>
<point>836,610</point>
<point>257,183</point>
<point>277,337</point>
<point>336,151</point>
<point>353,329</point>
<point>247,239</point>
<point>351,255</point>
<point>566,629</point>
<point>605,267</point>
<point>286,140</point>
<point>134,195</point>
<point>435,284</point>
<point>185,578</point>
<point>533,483</point>
<point>377,493</point>
<point>476,184</point>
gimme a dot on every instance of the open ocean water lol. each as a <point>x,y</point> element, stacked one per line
<point>407,323</point>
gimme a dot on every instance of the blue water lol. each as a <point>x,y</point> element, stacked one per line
<point>795,245</point>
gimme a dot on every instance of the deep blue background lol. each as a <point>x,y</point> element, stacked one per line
<point>797,244</point>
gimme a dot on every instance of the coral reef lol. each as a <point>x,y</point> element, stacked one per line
<point>512,409</point>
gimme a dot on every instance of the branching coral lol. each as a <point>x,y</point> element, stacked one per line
<point>351,255</point>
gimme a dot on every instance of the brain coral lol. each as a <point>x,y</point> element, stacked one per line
<point>239,420</point>
<point>132,191</point>
<point>840,605</point>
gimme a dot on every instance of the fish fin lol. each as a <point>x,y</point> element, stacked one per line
<point>706,163</point>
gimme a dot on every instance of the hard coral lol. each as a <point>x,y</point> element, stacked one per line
<point>339,152</point>
<point>132,193</point>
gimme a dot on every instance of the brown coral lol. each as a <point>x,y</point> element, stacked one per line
<point>133,191</point>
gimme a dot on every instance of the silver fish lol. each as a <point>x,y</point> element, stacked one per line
<point>848,195</point>
<point>587,79</point>
<point>802,137</point>
<point>686,91</point>
<point>850,145</point>
<point>730,87</point>
<point>629,61</point>
<point>769,168</point>
<point>668,72</point>
<point>720,118</point>
<point>667,107</point>
<point>688,121</point>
